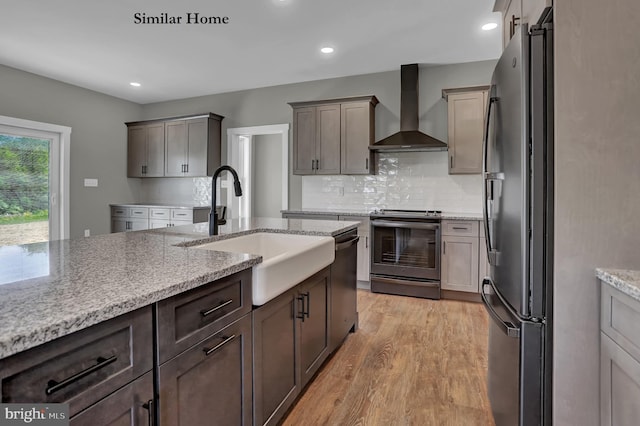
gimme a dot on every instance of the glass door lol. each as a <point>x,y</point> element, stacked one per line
<point>29,174</point>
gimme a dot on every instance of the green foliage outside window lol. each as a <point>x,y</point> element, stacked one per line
<point>24,179</point>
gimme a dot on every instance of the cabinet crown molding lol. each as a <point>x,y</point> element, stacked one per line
<point>370,98</point>
<point>181,117</point>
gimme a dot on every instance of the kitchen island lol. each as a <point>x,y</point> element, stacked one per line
<point>112,286</point>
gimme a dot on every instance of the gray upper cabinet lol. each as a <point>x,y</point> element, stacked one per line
<point>466,109</point>
<point>145,150</point>
<point>183,146</point>
<point>333,136</point>
<point>357,133</point>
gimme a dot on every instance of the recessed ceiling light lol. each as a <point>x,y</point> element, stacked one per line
<point>135,84</point>
<point>490,26</point>
<point>327,50</point>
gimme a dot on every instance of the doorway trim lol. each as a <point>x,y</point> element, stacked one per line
<point>59,198</point>
<point>238,151</point>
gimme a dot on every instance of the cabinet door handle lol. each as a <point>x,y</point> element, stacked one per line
<point>225,340</point>
<point>444,247</point>
<point>512,25</point>
<point>306,295</point>
<point>300,314</point>
<point>366,163</point>
<point>207,312</point>
<point>451,162</point>
<point>54,386</point>
<point>149,407</point>
<point>366,242</point>
<point>186,168</point>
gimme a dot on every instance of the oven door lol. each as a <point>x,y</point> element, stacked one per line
<point>405,249</point>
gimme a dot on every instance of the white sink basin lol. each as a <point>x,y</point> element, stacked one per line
<point>287,259</point>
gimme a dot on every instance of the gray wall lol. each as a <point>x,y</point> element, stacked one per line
<point>98,140</point>
<point>267,176</point>
<point>597,185</point>
<point>269,105</point>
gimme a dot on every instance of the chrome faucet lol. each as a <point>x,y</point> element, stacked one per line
<point>213,215</point>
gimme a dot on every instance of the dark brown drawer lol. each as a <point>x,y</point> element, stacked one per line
<point>187,318</point>
<point>83,367</point>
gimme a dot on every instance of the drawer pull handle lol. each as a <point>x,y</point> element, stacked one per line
<point>225,340</point>
<point>54,386</point>
<point>205,313</point>
<point>149,407</point>
<point>460,228</point>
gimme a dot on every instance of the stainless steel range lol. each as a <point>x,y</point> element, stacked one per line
<point>405,252</point>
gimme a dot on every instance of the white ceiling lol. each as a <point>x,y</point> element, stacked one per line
<point>97,45</point>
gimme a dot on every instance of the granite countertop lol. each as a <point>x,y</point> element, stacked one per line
<point>626,281</point>
<point>51,289</point>
<point>446,215</point>
<point>163,205</point>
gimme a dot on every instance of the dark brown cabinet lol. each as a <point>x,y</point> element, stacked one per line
<point>205,354</point>
<point>177,147</point>
<point>210,383</point>
<point>131,405</point>
<point>333,136</point>
<point>145,150</point>
<point>291,341</point>
<point>276,358</point>
<point>192,147</point>
<point>82,368</point>
<point>313,297</point>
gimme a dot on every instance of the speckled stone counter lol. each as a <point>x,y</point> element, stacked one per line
<point>626,281</point>
<point>445,214</point>
<point>48,290</point>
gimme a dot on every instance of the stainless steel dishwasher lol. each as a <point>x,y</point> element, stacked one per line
<point>344,311</point>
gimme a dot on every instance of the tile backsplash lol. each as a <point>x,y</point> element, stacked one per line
<point>405,180</point>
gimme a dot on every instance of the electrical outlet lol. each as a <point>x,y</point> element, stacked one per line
<point>91,182</point>
<point>87,232</point>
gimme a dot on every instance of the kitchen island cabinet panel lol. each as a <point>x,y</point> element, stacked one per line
<point>210,383</point>
<point>131,405</point>
<point>189,317</point>
<point>276,358</point>
<point>313,294</point>
<point>83,367</point>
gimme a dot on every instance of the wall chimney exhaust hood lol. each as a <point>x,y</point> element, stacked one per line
<point>409,138</point>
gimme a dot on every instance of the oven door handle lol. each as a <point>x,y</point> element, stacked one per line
<point>412,225</point>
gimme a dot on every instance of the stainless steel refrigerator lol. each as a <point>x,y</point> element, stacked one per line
<point>518,220</point>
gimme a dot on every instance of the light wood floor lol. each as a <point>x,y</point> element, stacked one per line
<point>411,362</point>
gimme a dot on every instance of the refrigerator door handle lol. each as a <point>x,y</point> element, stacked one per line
<point>487,178</point>
<point>507,328</point>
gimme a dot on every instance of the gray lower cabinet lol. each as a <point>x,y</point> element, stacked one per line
<point>313,295</point>
<point>131,405</point>
<point>210,383</point>
<point>84,367</point>
<point>619,359</point>
<point>291,341</point>
<point>276,358</point>
<point>459,256</point>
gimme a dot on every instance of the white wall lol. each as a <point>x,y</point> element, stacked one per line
<point>597,196</point>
